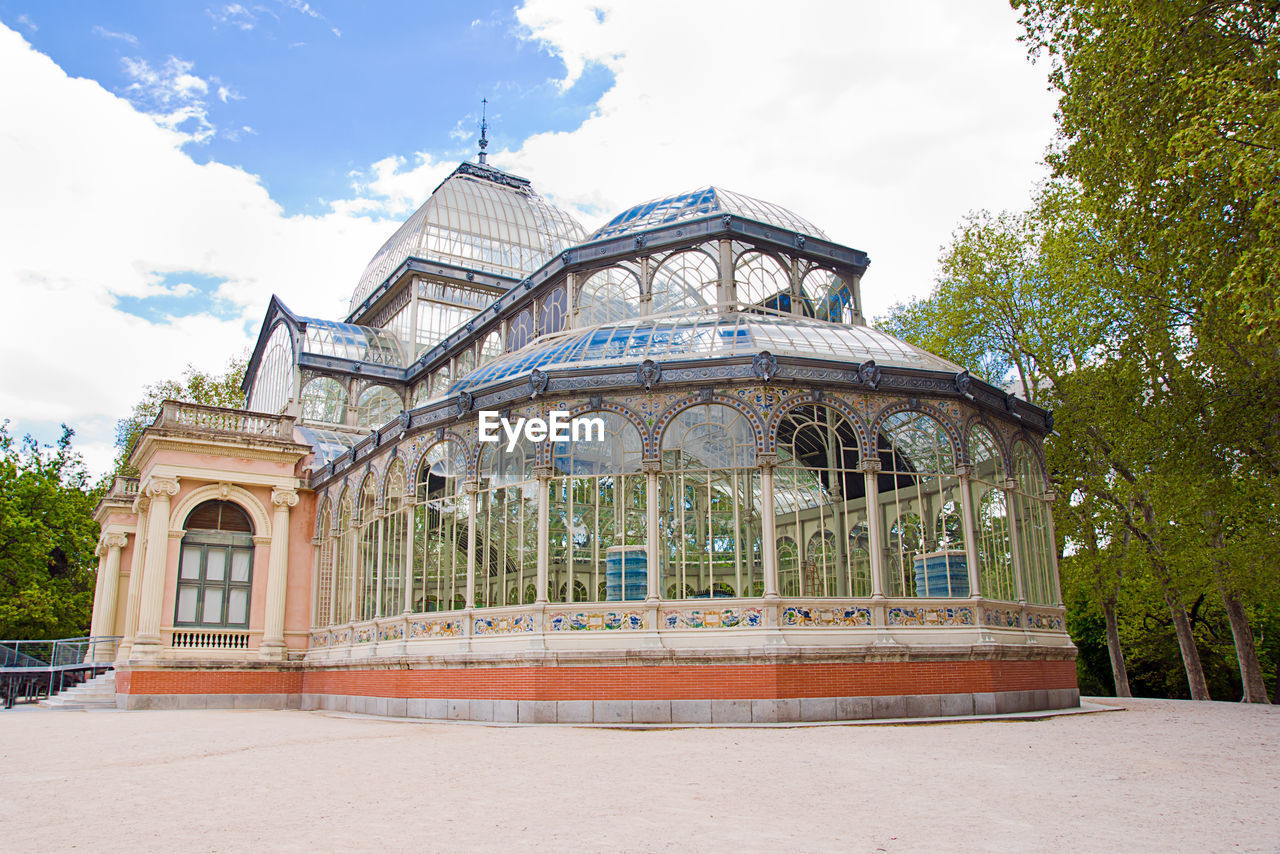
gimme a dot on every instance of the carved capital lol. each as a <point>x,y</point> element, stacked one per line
<point>766,461</point>
<point>282,497</point>
<point>113,540</point>
<point>964,469</point>
<point>162,486</point>
<point>1010,484</point>
<point>543,472</point>
<point>870,464</point>
<point>651,466</point>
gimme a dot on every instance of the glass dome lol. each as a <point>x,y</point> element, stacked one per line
<point>479,218</point>
<point>707,335</point>
<point>701,203</point>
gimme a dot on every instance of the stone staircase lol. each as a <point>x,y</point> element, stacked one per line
<point>98,693</point>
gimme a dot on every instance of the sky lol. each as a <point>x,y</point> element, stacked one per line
<point>166,167</point>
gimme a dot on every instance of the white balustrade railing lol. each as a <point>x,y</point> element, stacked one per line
<point>175,414</point>
<point>210,640</point>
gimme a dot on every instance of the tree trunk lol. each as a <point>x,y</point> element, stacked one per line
<point>1246,652</point>
<point>1118,669</point>
<point>1187,644</point>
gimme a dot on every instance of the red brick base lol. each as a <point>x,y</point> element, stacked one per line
<point>619,682</point>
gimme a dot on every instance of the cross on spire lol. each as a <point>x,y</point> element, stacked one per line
<point>484,129</point>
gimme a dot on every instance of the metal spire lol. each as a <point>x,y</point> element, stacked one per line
<point>484,129</point>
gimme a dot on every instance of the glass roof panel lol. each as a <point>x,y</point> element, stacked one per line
<point>700,203</point>
<point>707,336</point>
<point>349,341</point>
<point>328,444</point>
<point>480,218</point>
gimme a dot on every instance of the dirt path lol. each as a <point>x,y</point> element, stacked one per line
<point>1160,776</point>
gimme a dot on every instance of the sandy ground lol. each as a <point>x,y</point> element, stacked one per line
<point>1159,776</point>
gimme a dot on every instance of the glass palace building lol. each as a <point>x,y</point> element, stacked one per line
<point>777,513</point>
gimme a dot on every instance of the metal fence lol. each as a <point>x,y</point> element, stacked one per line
<point>31,669</point>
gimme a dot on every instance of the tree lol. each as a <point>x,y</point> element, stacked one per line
<point>47,538</point>
<point>193,387</point>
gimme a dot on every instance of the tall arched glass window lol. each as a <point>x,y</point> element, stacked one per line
<point>506,525</point>
<point>324,399</point>
<point>762,280</point>
<point>442,380</point>
<point>491,348</point>
<point>395,541</point>
<point>1034,546</point>
<point>366,576</point>
<point>378,405</point>
<point>215,572</point>
<point>826,296</point>
<point>709,505</point>
<point>465,363</point>
<point>553,309</point>
<point>344,535</point>
<point>609,294</point>
<point>597,511</point>
<point>789,577</point>
<point>991,516</point>
<point>818,487</point>
<point>324,567</point>
<point>919,498</point>
<point>520,330</point>
<point>440,530</point>
<point>273,383</point>
<point>685,280</point>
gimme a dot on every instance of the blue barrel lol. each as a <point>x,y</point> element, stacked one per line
<point>933,571</point>
<point>630,565</point>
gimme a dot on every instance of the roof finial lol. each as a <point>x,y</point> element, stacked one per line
<point>484,129</point>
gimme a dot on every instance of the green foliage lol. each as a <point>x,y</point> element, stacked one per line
<point>47,539</point>
<point>193,387</point>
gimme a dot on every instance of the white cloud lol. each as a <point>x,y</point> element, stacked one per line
<point>108,34</point>
<point>87,217</point>
<point>28,23</point>
<point>235,15</point>
<point>882,123</point>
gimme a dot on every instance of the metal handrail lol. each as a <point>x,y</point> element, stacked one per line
<point>32,665</point>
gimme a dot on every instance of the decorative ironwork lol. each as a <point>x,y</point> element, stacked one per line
<point>649,373</point>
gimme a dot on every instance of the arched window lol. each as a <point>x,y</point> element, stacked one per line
<point>506,524</point>
<point>788,567</point>
<point>991,516</point>
<point>422,393</point>
<point>366,583</point>
<point>609,294</point>
<point>465,363</point>
<point>440,530</point>
<point>917,482</point>
<point>709,505</point>
<point>215,573</point>
<point>378,405</point>
<point>345,557</point>
<point>441,380</point>
<point>818,485</point>
<point>761,280</point>
<point>597,512</point>
<point>324,567</point>
<point>395,541</point>
<point>491,348</point>
<point>324,399</point>
<point>273,383</point>
<point>685,280</point>
<point>554,308</point>
<point>520,330</point>
<point>826,296</point>
<point>1032,514</point>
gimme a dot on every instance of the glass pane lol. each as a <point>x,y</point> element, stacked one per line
<point>239,566</point>
<point>237,605</point>
<point>191,562</point>
<point>212,605</point>
<point>187,604</point>
<point>216,567</point>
